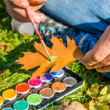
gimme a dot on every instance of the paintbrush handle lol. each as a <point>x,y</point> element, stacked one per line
<point>38,33</point>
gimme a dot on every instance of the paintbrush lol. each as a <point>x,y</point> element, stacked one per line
<point>38,33</point>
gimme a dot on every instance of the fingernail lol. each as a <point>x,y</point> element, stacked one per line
<point>24,4</point>
<point>42,17</point>
<point>36,19</point>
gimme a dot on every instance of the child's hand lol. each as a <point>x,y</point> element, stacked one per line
<point>99,56</point>
<point>16,9</point>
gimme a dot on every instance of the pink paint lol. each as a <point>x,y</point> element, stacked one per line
<point>35,83</point>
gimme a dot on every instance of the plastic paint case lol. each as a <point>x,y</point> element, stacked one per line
<point>58,74</point>
<point>48,101</point>
<point>21,105</point>
<point>8,108</point>
<point>46,93</point>
<point>34,99</point>
<point>9,94</point>
<point>69,81</point>
<point>22,88</point>
<point>35,83</point>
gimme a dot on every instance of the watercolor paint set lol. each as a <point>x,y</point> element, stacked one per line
<point>40,93</point>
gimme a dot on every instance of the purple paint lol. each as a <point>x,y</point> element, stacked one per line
<point>47,77</point>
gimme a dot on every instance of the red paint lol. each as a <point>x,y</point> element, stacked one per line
<point>23,87</point>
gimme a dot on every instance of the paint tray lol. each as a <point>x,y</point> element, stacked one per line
<point>55,98</point>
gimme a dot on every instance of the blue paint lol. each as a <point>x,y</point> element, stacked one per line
<point>53,73</point>
<point>7,109</point>
<point>58,73</point>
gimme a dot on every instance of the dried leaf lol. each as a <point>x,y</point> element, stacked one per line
<point>59,107</point>
<point>93,91</point>
<point>61,56</point>
<point>97,106</point>
<point>76,106</point>
<point>3,46</point>
<point>66,103</point>
<point>105,90</point>
<point>86,105</point>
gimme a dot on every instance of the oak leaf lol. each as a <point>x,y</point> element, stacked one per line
<point>62,56</point>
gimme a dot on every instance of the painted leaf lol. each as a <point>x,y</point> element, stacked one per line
<point>93,91</point>
<point>97,106</point>
<point>105,90</point>
<point>62,56</point>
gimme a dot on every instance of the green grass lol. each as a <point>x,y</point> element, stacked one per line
<point>10,71</point>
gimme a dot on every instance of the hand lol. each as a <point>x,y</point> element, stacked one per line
<point>99,57</point>
<point>16,9</point>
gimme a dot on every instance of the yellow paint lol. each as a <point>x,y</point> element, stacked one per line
<point>1,99</point>
<point>8,94</point>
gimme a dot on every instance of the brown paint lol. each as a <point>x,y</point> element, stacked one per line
<point>46,92</point>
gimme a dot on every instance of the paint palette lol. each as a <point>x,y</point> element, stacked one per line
<point>40,93</point>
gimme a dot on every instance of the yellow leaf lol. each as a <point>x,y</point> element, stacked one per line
<point>105,90</point>
<point>97,106</point>
<point>104,99</point>
<point>93,91</point>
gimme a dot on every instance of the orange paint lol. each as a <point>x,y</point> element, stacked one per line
<point>8,94</point>
<point>58,86</point>
<point>23,87</point>
<point>1,99</point>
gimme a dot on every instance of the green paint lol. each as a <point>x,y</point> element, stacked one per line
<point>53,58</point>
<point>34,98</point>
<point>20,105</point>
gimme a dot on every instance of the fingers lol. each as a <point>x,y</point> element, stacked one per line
<point>104,62</point>
<point>103,69</point>
<point>37,2</point>
<point>19,3</point>
<point>19,14</point>
<point>100,51</point>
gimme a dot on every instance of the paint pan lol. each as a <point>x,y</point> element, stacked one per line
<point>21,105</point>
<point>8,108</point>
<point>58,87</point>
<point>35,83</point>
<point>47,78</point>
<point>58,74</point>
<point>46,93</point>
<point>22,88</point>
<point>69,81</point>
<point>34,99</point>
<point>1,100</point>
<point>9,94</point>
